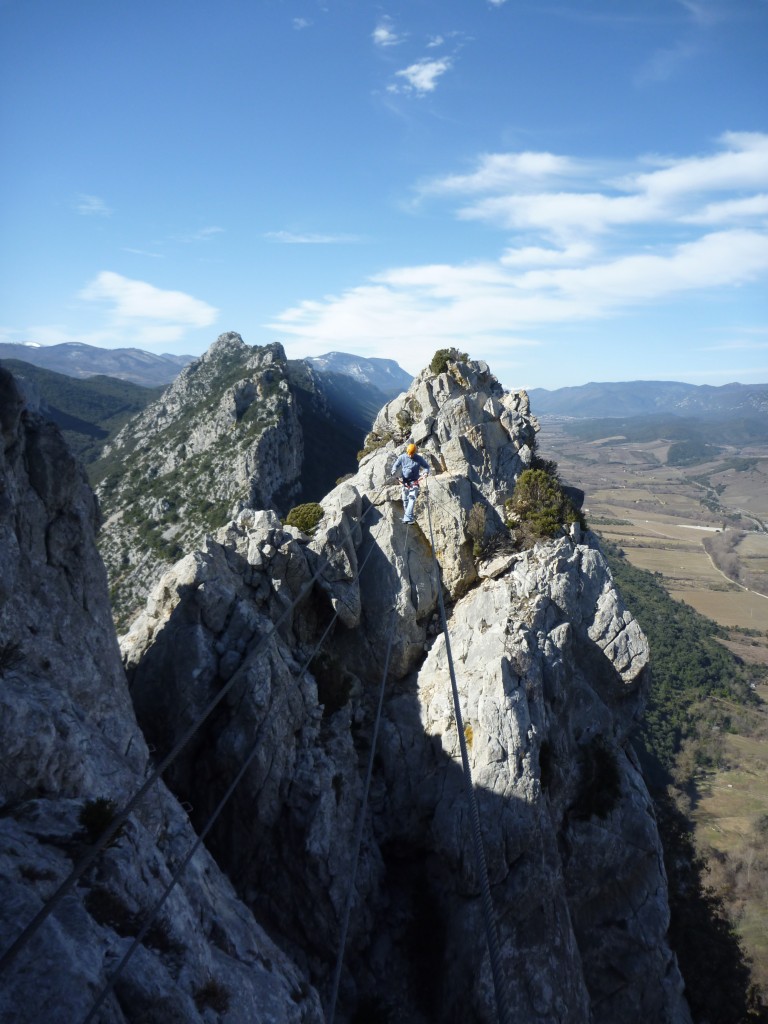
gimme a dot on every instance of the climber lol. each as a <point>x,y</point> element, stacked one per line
<point>409,465</point>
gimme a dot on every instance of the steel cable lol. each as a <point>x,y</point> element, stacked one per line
<point>151,917</point>
<point>158,906</point>
<point>489,917</point>
<point>361,820</point>
<point>122,816</point>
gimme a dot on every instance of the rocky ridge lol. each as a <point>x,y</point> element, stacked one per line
<point>70,740</point>
<point>242,427</point>
<point>552,673</point>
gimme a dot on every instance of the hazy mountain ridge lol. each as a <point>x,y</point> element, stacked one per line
<point>88,411</point>
<point>650,397</point>
<point>384,374</point>
<point>76,359</point>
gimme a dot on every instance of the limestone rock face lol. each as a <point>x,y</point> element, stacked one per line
<point>69,738</point>
<point>297,633</point>
<point>224,435</point>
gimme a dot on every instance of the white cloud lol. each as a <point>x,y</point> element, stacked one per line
<point>742,164</point>
<point>499,190</point>
<point>91,206</point>
<point>753,207</point>
<point>665,63</point>
<point>455,301</point>
<point>582,245</point>
<point>435,41</point>
<point>300,23</point>
<point>309,238</point>
<point>734,346</point>
<point>138,313</point>
<point>534,255</point>
<point>499,171</point>
<point>422,76</point>
<point>704,14</point>
<point>720,259</point>
<point>144,252</point>
<point>384,34</point>
<point>201,235</point>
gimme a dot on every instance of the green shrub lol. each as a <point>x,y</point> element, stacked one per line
<point>404,420</point>
<point>541,506</point>
<point>443,356</point>
<point>372,442</point>
<point>476,528</point>
<point>305,517</point>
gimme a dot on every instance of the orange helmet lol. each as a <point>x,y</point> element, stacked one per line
<point>411,449</point>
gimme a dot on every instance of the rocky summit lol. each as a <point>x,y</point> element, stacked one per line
<point>255,671</point>
<point>241,427</point>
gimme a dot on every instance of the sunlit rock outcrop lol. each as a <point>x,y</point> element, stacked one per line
<point>552,671</point>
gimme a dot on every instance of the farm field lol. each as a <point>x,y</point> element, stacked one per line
<point>660,516</point>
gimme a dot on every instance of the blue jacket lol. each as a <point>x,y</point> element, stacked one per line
<point>409,466</point>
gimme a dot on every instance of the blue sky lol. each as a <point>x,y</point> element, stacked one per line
<point>573,190</point>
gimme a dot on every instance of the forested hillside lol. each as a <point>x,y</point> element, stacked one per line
<point>89,412</point>
<point>700,693</point>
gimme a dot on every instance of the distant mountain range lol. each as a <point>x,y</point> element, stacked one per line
<point>384,374</point>
<point>150,370</point>
<point>652,398</point>
<point>339,396</point>
<point>88,412</point>
<point>76,360</point>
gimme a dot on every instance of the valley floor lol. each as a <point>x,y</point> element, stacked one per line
<point>660,516</point>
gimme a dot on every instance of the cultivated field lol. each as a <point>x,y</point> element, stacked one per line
<point>660,515</point>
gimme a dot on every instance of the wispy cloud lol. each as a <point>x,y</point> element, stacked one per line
<point>421,77</point>
<point>201,235</point>
<point>582,244</point>
<point>310,238</point>
<point>91,206</point>
<point>144,252</point>
<point>301,23</point>
<point>666,62</point>
<point>730,211</point>
<point>140,313</point>
<point>384,34</point>
<point>703,12</point>
<point>505,191</point>
<point>498,172</point>
<point>742,339</point>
